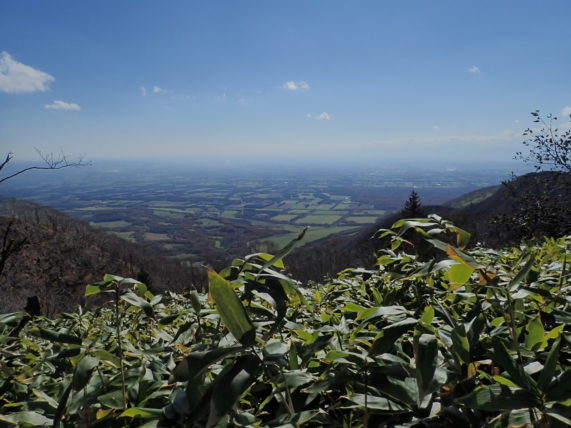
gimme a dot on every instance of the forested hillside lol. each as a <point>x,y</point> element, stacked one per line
<point>52,256</point>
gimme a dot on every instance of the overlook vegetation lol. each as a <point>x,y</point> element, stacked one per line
<point>435,335</point>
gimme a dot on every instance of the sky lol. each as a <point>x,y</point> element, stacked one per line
<point>301,80</point>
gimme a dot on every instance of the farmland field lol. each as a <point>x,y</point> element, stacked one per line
<point>195,214</point>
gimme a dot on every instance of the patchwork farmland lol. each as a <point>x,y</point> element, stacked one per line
<point>212,217</point>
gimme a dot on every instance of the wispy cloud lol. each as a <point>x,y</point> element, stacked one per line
<point>474,69</point>
<point>291,85</point>
<point>320,116</point>
<point>158,89</point>
<point>507,135</point>
<point>62,105</point>
<point>16,77</point>
<point>143,91</point>
<point>436,127</point>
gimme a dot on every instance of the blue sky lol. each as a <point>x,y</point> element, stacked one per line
<point>344,80</point>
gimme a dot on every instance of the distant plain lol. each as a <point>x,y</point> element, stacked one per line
<point>199,213</point>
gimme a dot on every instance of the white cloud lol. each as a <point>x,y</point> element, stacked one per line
<point>62,105</point>
<point>566,112</point>
<point>16,77</point>
<point>222,97</point>
<point>474,69</point>
<point>158,89</point>
<point>301,85</point>
<point>320,116</point>
<point>436,127</point>
<point>143,91</point>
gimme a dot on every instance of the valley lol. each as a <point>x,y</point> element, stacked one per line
<point>182,211</point>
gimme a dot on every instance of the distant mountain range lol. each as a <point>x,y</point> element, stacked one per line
<point>60,255</point>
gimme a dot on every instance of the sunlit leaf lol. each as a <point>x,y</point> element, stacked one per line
<point>231,309</point>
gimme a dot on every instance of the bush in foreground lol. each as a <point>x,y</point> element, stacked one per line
<point>435,336</point>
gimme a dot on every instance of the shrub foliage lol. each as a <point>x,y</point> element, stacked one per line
<point>436,335</point>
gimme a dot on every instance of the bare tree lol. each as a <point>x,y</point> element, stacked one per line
<point>50,161</point>
<point>9,246</point>
<point>548,147</point>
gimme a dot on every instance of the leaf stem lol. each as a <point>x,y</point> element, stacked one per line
<point>119,344</point>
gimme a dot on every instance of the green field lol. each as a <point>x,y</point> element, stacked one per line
<point>112,224</point>
<point>361,220</point>
<point>229,214</point>
<point>124,235</point>
<point>151,236</point>
<point>318,219</point>
<point>284,217</point>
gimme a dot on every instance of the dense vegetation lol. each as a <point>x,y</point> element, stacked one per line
<point>435,335</point>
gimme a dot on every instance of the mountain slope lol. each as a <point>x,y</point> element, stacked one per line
<point>549,193</point>
<point>60,255</point>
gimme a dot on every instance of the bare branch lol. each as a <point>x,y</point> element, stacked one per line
<point>9,157</point>
<point>50,160</point>
<point>548,147</point>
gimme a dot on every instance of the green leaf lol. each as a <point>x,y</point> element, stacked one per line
<point>266,257</point>
<point>498,398</point>
<point>404,391</point>
<point>427,316</point>
<point>231,310</point>
<point>108,358</point>
<point>388,336</point>
<point>45,397</point>
<point>375,403</point>
<point>26,418</point>
<point>426,353</point>
<point>381,311</point>
<point>522,273</point>
<point>229,386</point>
<point>504,381</point>
<point>113,399</point>
<point>55,336</point>
<point>83,372</point>
<point>535,333</point>
<point>93,289</point>
<point>459,274</point>
<point>461,344</point>
<point>462,237</point>
<point>139,302</point>
<point>516,372</point>
<point>142,412</point>
<point>197,362</point>
<point>561,413</point>
<point>548,371</point>
<point>560,388</point>
<point>62,405</point>
<point>112,278</point>
<point>295,378</point>
<point>195,301</point>
<point>12,318</point>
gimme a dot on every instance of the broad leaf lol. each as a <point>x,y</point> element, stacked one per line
<point>231,310</point>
